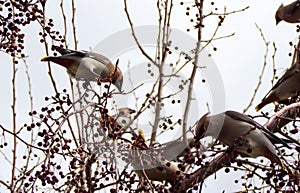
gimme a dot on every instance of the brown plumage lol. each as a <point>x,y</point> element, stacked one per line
<point>289,13</point>
<point>238,130</point>
<point>149,163</point>
<point>87,66</point>
<point>123,116</point>
<point>287,86</point>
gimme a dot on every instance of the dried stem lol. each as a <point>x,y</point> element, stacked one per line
<point>73,25</point>
<point>64,21</point>
<point>262,70</point>
<point>163,50</point>
<point>273,64</point>
<point>192,77</point>
<point>14,124</point>
<point>134,35</point>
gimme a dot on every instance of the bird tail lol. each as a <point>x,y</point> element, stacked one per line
<point>274,158</point>
<point>270,98</point>
<point>46,58</point>
<point>141,134</point>
<point>285,167</point>
<point>63,61</point>
<point>282,164</point>
<point>263,103</point>
<point>259,106</point>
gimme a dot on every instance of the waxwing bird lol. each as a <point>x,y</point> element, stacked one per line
<point>289,13</point>
<point>89,66</point>
<point>287,86</point>
<point>240,131</point>
<point>153,166</point>
<point>173,150</point>
<point>123,117</point>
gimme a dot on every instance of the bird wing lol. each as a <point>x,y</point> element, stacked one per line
<point>241,117</point>
<point>103,66</point>
<point>64,51</point>
<point>289,73</point>
<point>100,58</point>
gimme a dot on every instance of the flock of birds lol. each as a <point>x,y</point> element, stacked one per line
<point>231,128</point>
<point>239,130</point>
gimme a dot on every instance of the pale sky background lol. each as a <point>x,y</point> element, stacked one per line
<point>238,58</point>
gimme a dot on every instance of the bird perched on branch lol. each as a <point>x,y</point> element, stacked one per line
<point>150,164</point>
<point>87,66</point>
<point>237,130</point>
<point>123,116</point>
<point>287,86</point>
<point>289,13</point>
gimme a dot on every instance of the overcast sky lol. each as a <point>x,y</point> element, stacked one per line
<point>239,59</point>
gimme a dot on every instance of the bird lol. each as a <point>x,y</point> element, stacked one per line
<point>241,132</point>
<point>150,164</point>
<point>287,86</point>
<point>289,13</point>
<point>86,65</point>
<point>123,116</point>
<point>175,149</point>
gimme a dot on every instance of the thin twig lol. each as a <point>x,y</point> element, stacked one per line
<point>135,37</point>
<point>296,56</point>
<point>192,76</point>
<point>73,25</point>
<point>14,123</point>
<point>228,13</point>
<point>64,21</point>
<point>262,70</point>
<point>273,64</point>
<point>219,38</point>
<point>22,140</point>
<point>163,50</point>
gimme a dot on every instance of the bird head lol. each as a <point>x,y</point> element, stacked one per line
<point>278,19</point>
<point>201,127</point>
<point>123,117</point>
<point>125,112</point>
<point>117,79</point>
<point>277,15</point>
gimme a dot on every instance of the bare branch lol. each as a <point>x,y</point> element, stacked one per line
<point>273,64</point>
<point>135,37</point>
<point>202,173</point>
<point>262,70</point>
<point>73,25</point>
<point>283,117</point>
<point>192,76</point>
<point>14,123</point>
<point>228,13</point>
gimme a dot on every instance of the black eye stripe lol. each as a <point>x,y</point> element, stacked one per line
<point>202,131</point>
